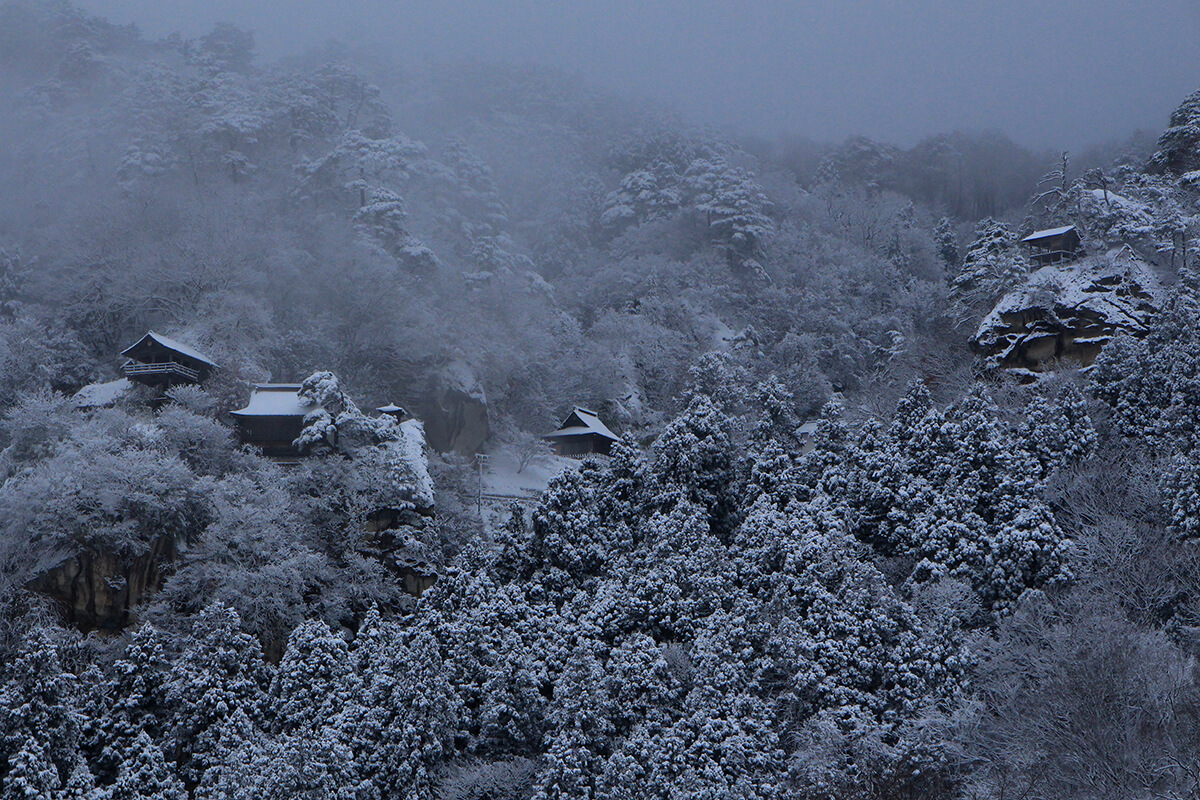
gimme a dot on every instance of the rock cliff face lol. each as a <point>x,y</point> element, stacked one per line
<point>98,591</point>
<point>396,544</point>
<point>456,411</point>
<point>1067,312</point>
<point>399,528</point>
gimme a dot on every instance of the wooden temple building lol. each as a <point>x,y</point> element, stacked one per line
<point>1053,245</point>
<point>273,418</point>
<point>581,434</point>
<point>161,362</point>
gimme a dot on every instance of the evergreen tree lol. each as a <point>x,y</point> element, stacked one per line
<point>485,632</point>
<point>314,681</point>
<point>1059,431</point>
<point>946,240</point>
<point>1153,383</point>
<point>138,691</point>
<point>959,495</point>
<point>581,730</point>
<point>144,774</point>
<point>401,726</point>
<point>30,774</point>
<point>241,769</point>
<point>694,460</point>
<point>41,720</point>
<point>219,673</point>
<point>681,574</point>
<point>1179,146</point>
<point>642,196</point>
<point>992,266</point>
<point>733,205</point>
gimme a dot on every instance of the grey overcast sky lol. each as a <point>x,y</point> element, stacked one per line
<point>1050,73</point>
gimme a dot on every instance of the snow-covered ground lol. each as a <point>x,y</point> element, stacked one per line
<point>501,477</point>
<point>502,483</point>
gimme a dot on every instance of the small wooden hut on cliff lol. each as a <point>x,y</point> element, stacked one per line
<point>1053,245</point>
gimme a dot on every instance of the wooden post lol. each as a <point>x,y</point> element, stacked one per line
<point>481,460</point>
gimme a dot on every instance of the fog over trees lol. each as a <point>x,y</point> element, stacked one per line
<point>888,483</point>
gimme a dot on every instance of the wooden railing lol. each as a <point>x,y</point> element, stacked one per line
<point>1053,256</point>
<point>136,368</point>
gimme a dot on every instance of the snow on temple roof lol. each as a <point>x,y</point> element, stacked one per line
<point>1049,233</point>
<point>581,422</point>
<point>808,428</point>
<point>97,395</point>
<point>170,344</point>
<point>275,400</point>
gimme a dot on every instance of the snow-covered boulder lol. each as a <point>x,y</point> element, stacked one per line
<point>1067,312</point>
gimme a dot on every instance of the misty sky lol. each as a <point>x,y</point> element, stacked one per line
<point>1055,73</point>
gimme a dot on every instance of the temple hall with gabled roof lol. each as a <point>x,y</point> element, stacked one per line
<point>161,362</point>
<point>582,433</point>
<point>273,418</point>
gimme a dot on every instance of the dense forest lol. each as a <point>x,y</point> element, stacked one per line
<point>896,511</point>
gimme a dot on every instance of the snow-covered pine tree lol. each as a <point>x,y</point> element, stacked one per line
<point>219,672</point>
<point>1179,146</point>
<point>946,239</point>
<point>1058,431</point>
<point>992,266</point>
<point>145,775</point>
<point>314,680</point>
<point>643,195</point>
<point>41,720</point>
<point>694,460</point>
<point>383,221</point>
<point>733,205</point>
<point>1150,383</point>
<point>401,725</point>
<point>30,774</point>
<point>138,692</point>
<point>581,730</point>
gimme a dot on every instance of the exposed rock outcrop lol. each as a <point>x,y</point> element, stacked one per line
<point>100,590</point>
<point>396,544</point>
<point>456,411</point>
<point>1066,313</point>
<point>387,471</point>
